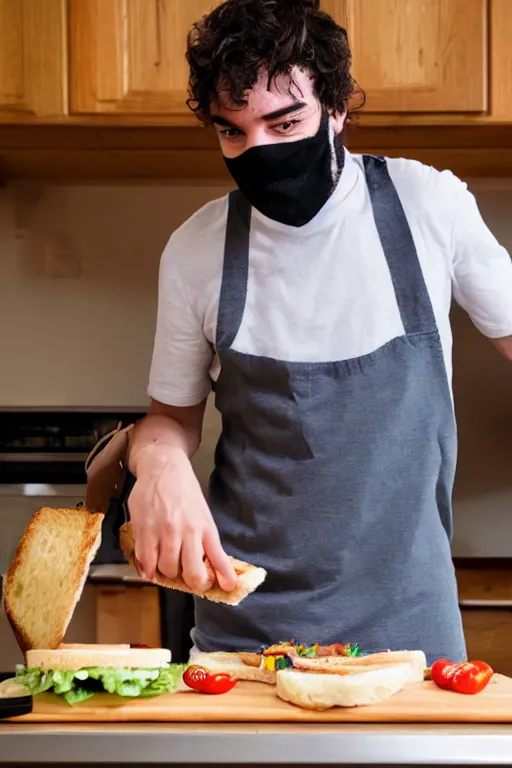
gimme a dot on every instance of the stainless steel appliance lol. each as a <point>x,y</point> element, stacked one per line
<point>42,463</point>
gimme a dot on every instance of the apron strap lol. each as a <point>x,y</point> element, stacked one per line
<point>235,271</point>
<point>399,249</point>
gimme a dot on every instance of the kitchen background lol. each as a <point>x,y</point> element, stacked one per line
<point>102,161</point>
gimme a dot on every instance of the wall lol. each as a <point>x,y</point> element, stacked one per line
<point>87,340</point>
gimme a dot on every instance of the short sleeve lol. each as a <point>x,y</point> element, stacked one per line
<point>482,268</point>
<point>182,355</point>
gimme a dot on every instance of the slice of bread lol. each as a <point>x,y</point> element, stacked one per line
<point>250,577</point>
<point>354,689</point>
<point>48,572</point>
<point>231,664</point>
<point>415,660</point>
<point>79,658</point>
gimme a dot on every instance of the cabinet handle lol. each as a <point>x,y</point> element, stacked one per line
<point>158,25</point>
<point>483,603</point>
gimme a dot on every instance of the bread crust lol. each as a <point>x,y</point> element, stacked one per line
<point>250,577</point>
<point>27,576</point>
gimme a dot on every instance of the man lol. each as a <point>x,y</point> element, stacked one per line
<point>316,299</point>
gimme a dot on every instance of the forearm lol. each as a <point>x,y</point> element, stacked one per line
<point>504,345</point>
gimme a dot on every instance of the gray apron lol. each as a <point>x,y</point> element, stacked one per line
<point>337,477</point>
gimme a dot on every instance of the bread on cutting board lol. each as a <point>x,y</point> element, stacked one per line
<point>358,687</point>
<point>47,574</point>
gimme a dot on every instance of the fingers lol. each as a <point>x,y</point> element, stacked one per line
<point>169,555</point>
<point>194,570</point>
<point>224,571</point>
<point>146,552</point>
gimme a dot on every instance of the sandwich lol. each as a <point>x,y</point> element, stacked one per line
<point>262,666</point>
<point>250,577</point>
<point>41,589</point>
<point>322,683</point>
<point>76,672</point>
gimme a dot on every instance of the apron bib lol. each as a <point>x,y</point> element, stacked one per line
<point>337,477</point>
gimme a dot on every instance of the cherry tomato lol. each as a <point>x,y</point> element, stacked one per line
<point>194,677</point>
<point>199,679</point>
<point>442,672</point>
<point>471,677</point>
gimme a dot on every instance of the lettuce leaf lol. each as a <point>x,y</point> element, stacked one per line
<point>79,685</point>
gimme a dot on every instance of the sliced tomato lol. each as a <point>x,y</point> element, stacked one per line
<point>201,680</point>
<point>442,672</point>
<point>471,677</point>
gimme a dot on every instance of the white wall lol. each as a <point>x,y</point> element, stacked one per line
<point>87,340</point>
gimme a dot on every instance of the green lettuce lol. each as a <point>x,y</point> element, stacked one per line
<point>77,686</point>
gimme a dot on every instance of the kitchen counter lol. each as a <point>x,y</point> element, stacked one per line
<point>256,744</point>
<point>115,573</point>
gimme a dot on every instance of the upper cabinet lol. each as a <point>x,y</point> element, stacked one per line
<point>128,56</point>
<point>418,55</point>
<point>32,59</point>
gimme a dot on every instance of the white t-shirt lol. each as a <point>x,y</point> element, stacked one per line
<point>323,291</point>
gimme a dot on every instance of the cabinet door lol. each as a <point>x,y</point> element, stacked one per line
<point>128,615</point>
<point>417,55</point>
<point>488,633</point>
<point>128,56</point>
<point>31,58</point>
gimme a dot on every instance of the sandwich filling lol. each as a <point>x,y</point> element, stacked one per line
<point>281,656</point>
<point>78,685</point>
<point>76,673</point>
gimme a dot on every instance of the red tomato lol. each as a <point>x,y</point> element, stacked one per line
<point>471,677</point>
<point>219,683</point>
<point>442,672</point>
<point>194,677</point>
<point>199,679</point>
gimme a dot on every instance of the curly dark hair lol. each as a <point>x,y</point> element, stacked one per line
<point>228,49</point>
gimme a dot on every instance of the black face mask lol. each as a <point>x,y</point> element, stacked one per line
<point>290,181</point>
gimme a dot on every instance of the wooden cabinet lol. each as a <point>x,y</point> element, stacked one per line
<point>128,614</point>
<point>128,56</point>
<point>488,633</point>
<point>417,56</point>
<point>32,82</point>
<point>486,605</point>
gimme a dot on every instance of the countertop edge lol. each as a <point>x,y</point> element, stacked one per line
<point>257,744</point>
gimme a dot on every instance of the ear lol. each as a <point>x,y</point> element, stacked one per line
<point>338,121</point>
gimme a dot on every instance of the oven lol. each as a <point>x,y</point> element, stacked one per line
<point>42,463</point>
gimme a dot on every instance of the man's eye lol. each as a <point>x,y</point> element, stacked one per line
<point>287,126</point>
<point>230,133</point>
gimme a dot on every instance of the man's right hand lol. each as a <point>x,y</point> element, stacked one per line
<point>173,528</point>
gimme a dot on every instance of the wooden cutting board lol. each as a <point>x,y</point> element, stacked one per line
<point>257,702</point>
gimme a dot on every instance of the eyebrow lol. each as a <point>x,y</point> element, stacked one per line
<point>289,110</point>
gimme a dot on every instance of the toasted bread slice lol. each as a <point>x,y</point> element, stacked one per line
<point>416,661</point>
<point>47,574</point>
<point>250,577</point>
